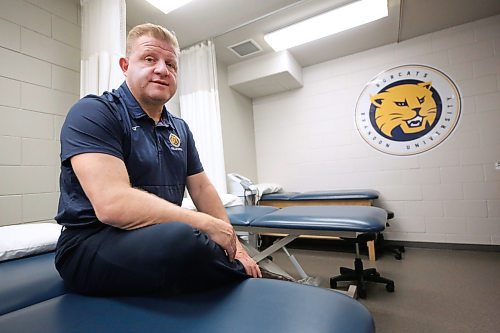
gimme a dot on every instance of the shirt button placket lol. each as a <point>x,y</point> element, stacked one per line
<point>158,140</point>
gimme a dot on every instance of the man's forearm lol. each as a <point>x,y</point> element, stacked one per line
<point>106,183</point>
<point>207,200</point>
<point>132,208</point>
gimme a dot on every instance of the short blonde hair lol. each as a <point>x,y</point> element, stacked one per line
<point>153,30</point>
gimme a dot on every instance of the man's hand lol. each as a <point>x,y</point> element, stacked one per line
<point>251,267</point>
<point>223,234</point>
<point>218,228</point>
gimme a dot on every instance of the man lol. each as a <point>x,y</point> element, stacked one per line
<point>125,162</point>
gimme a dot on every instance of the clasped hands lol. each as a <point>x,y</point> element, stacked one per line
<point>223,234</point>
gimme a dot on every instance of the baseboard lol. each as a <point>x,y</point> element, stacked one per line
<point>338,245</point>
<point>447,246</point>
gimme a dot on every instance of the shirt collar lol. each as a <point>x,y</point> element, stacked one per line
<point>135,109</point>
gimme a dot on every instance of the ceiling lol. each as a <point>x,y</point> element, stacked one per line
<point>230,22</point>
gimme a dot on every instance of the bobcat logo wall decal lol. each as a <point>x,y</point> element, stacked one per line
<point>408,110</point>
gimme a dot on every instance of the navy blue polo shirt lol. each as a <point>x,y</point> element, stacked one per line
<point>158,157</point>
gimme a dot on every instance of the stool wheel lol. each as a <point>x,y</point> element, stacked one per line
<point>390,287</point>
<point>398,256</point>
<point>362,292</point>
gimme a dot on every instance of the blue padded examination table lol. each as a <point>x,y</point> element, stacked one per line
<point>358,223</point>
<point>362,197</point>
<point>359,197</point>
<point>33,299</point>
<point>315,220</point>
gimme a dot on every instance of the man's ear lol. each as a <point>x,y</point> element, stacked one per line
<point>124,65</point>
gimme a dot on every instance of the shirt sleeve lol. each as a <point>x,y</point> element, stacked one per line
<point>91,126</point>
<point>194,165</point>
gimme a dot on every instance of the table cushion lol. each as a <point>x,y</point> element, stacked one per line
<point>337,195</point>
<point>27,281</point>
<point>361,194</point>
<point>243,215</point>
<point>331,218</point>
<point>278,196</point>
<point>255,305</point>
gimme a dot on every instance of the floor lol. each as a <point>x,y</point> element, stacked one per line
<point>436,290</point>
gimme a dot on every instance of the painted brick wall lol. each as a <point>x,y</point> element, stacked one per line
<point>307,139</point>
<point>39,81</point>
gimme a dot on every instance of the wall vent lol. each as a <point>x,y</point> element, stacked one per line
<point>245,48</point>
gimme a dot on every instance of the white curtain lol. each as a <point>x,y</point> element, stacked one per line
<point>103,43</point>
<point>199,105</point>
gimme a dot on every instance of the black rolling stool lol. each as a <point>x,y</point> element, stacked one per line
<point>360,275</point>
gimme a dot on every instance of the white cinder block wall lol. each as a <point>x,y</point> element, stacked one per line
<point>307,139</point>
<point>237,128</point>
<point>39,81</point>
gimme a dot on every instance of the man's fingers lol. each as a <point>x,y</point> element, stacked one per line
<point>249,270</point>
<point>223,234</point>
<point>259,273</point>
<point>230,255</point>
<point>251,267</point>
<point>231,251</point>
<point>254,272</point>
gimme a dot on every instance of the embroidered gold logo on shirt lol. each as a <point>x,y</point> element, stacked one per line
<point>174,140</point>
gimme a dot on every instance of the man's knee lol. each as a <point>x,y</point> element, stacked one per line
<point>187,243</point>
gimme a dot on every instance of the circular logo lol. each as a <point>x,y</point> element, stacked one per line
<point>174,140</point>
<point>408,109</point>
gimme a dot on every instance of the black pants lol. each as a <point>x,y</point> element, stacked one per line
<point>166,258</point>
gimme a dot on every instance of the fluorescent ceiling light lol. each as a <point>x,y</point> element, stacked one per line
<point>329,23</point>
<point>166,6</point>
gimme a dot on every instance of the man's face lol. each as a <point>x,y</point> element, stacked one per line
<point>151,71</point>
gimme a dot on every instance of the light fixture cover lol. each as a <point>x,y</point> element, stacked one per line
<point>166,6</point>
<point>328,23</point>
